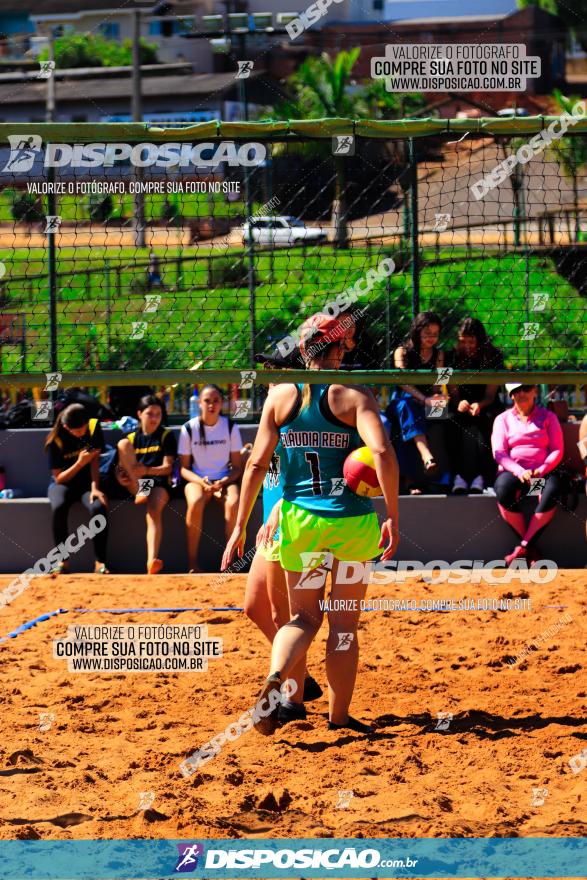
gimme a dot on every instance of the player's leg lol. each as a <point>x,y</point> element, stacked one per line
<point>350,538</point>
<point>290,645</point>
<point>127,461</point>
<point>256,603</point>
<point>156,501</point>
<point>100,539</point>
<point>342,647</point>
<point>60,498</point>
<point>196,502</point>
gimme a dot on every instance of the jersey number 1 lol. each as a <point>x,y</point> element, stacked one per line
<point>314,462</point>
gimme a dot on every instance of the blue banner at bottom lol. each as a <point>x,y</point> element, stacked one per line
<point>293,858</point>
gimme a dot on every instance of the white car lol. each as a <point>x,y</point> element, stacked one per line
<point>282,231</point>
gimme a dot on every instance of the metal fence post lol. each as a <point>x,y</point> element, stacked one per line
<point>414,228</point>
<point>51,266</point>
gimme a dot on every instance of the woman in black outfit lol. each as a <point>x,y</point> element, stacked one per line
<point>473,409</point>
<point>74,445</point>
<point>407,408</point>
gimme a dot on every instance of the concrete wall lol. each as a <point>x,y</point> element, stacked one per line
<point>432,527</point>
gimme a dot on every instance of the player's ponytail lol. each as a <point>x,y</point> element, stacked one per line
<point>306,397</point>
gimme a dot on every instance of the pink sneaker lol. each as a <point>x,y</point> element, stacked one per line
<point>518,552</point>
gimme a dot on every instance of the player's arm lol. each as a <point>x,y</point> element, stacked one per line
<point>374,435</point>
<point>255,470</point>
<point>236,469</point>
<point>158,470</point>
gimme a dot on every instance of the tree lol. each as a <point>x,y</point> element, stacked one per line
<point>25,207</point>
<point>323,87</point>
<point>571,154</point>
<point>93,50</point>
<point>573,14</point>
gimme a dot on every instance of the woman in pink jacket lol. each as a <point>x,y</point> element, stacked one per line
<point>527,443</point>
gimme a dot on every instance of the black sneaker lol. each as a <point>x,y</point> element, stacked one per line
<point>265,717</point>
<point>351,724</point>
<point>312,690</point>
<point>287,712</point>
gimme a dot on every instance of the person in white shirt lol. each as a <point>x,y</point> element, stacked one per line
<point>209,453</point>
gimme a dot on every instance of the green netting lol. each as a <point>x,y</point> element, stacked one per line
<point>169,282</point>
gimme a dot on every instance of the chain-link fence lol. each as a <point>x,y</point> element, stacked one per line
<point>129,248</point>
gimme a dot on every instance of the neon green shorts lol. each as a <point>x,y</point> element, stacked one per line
<point>348,538</point>
<point>270,553</point>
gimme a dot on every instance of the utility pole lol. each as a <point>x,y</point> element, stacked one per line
<point>50,101</point>
<point>137,116</point>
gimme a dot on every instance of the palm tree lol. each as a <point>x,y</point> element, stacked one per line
<point>571,154</point>
<point>324,87</point>
<point>320,88</point>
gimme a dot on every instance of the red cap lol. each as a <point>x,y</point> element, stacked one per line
<point>320,329</point>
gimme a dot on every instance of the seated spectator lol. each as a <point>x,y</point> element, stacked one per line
<point>407,406</point>
<point>473,409</point>
<point>74,445</point>
<point>583,450</point>
<point>145,463</point>
<point>527,444</point>
<point>210,456</point>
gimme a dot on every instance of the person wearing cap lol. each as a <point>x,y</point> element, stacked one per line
<point>318,426</point>
<point>527,444</point>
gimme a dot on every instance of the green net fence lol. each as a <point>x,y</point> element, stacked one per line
<point>129,248</point>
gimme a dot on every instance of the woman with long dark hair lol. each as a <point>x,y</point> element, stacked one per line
<point>148,454</point>
<point>407,408</point>
<point>74,445</point>
<point>473,409</point>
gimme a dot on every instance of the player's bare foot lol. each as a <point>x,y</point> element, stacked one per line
<point>155,566</point>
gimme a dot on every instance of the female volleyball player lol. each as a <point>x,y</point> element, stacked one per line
<point>74,445</point>
<point>148,454</point>
<point>527,443</point>
<point>318,426</point>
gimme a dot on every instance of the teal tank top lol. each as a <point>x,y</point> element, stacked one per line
<point>315,445</point>
<point>273,484</point>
